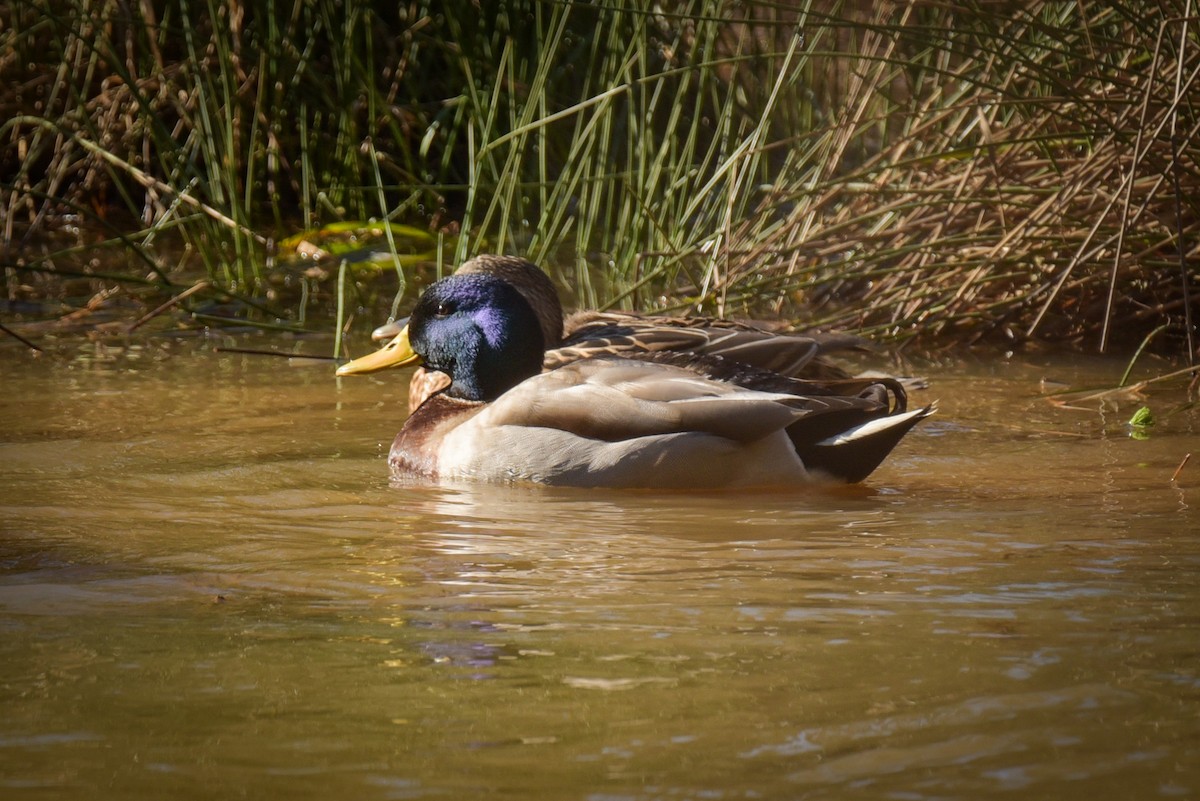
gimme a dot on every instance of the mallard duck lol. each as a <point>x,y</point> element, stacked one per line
<point>643,420</point>
<point>592,333</point>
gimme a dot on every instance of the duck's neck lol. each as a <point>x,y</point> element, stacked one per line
<point>505,355</point>
<point>487,381</point>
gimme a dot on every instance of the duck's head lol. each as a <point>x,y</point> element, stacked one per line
<point>525,276</point>
<point>477,329</point>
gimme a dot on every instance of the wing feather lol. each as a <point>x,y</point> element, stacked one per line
<point>595,333</point>
<point>615,400</point>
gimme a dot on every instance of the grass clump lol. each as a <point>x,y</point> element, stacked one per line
<point>1035,175</point>
<point>915,171</point>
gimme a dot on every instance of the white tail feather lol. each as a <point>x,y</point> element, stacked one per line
<point>867,430</point>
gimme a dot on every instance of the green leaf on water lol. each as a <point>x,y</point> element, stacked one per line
<point>1142,418</point>
<point>1141,421</point>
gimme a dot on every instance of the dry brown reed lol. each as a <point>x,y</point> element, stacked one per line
<point>1037,177</point>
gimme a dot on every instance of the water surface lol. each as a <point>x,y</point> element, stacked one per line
<point>209,588</point>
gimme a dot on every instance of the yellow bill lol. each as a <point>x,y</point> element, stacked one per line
<point>397,353</point>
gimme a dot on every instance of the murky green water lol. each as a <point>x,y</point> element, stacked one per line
<point>209,589</point>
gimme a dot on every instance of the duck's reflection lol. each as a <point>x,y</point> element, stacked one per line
<point>482,573</point>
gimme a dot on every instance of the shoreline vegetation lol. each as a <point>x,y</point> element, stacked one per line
<point>939,174</point>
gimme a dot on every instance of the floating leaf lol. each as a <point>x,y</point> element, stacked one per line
<point>1142,418</point>
<point>1138,424</point>
<point>363,244</point>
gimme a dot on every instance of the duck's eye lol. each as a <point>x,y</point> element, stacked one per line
<point>444,309</point>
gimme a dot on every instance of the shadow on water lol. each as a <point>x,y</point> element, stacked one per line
<point>209,585</point>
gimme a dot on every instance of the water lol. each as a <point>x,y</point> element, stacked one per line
<point>208,588</point>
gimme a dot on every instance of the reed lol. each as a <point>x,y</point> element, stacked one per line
<point>920,172</point>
